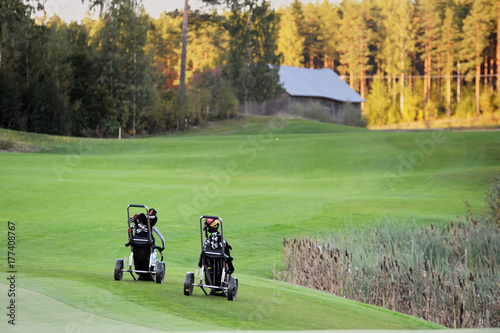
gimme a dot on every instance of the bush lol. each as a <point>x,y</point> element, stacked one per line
<point>431,111</point>
<point>486,102</point>
<point>377,103</point>
<point>412,107</point>
<point>227,104</point>
<point>313,111</point>
<point>492,211</point>
<point>467,106</point>
<point>351,116</point>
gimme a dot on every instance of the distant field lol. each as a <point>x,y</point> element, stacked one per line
<point>268,178</point>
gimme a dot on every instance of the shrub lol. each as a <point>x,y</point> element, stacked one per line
<point>486,102</point>
<point>377,103</point>
<point>412,107</point>
<point>431,111</point>
<point>467,107</point>
<point>351,115</point>
<point>313,111</point>
<point>492,211</point>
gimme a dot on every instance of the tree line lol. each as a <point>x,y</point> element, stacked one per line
<point>410,59</point>
<point>121,70</point>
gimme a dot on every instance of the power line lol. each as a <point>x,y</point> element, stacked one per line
<point>453,76</point>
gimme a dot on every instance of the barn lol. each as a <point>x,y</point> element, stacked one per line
<point>304,86</point>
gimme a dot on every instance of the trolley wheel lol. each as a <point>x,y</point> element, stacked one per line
<point>118,269</point>
<point>232,289</point>
<point>188,284</point>
<point>160,272</point>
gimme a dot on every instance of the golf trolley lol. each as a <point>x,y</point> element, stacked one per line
<point>214,273</point>
<point>144,251</point>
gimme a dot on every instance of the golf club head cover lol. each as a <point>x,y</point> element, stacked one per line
<point>152,216</point>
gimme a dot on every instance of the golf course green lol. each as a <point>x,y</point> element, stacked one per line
<point>267,178</point>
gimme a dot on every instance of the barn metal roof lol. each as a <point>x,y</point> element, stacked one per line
<point>325,83</point>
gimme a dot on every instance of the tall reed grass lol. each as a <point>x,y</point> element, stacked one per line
<point>448,275</point>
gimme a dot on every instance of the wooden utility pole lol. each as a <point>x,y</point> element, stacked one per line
<point>182,85</point>
<point>184,45</point>
<point>498,48</point>
<point>249,56</point>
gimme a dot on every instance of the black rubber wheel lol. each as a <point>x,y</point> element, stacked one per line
<point>232,289</point>
<point>188,284</point>
<point>118,269</point>
<point>160,272</point>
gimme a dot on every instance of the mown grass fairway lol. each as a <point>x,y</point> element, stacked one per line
<point>267,178</point>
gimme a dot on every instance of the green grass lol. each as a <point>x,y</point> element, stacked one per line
<point>267,178</point>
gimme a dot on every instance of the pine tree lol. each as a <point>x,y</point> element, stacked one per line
<point>314,43</point>
<point>297,11</point>
<point>353,44</point>
<point>498,49</point>
<point>475,33</point>
<point>182,85</point>
<point>329,30</point>
<point>350,19</point>
<point>398,42</point>
<point>428,13</point>
<point>290,42</point>
<point>448,49</point>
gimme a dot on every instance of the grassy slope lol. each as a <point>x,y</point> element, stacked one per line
<point>274,179</point>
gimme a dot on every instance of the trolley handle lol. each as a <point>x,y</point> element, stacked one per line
<point>147,216</point>
<point>209,217</point>
<point>138,206</point>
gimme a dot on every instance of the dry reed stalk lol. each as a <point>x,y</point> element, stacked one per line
<point>450,286</point>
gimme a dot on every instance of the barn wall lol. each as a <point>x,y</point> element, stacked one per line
<point>270,108</point>
<point>334,109</point>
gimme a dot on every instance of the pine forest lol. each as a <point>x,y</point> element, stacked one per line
<point>411,60</point>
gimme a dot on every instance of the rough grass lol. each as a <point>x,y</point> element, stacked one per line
<point>445,275</point>
<point>280,178</point>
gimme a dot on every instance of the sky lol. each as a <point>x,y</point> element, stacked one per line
<point>74,10</point>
